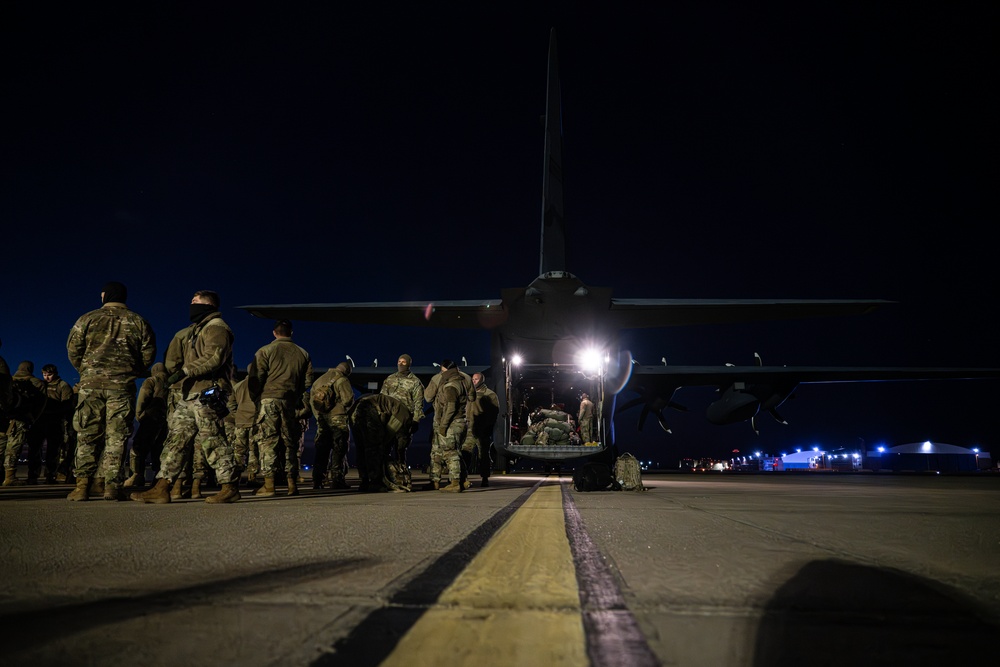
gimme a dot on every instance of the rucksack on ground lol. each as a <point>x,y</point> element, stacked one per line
<point>628,473</point>
<point>593,476</point>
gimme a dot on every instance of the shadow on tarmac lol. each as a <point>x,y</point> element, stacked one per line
<point>23,630</point>
<point>837,613</point>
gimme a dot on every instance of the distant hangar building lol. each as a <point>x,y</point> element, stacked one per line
<point>926,456</point>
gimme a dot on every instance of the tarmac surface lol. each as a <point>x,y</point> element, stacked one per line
<point>700,569</point>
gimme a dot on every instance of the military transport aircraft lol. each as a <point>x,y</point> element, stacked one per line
<point>558,338</point>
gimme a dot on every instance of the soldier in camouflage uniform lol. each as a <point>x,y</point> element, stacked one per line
<point>30,398</point>
<point>283,370</point>
<point>407,387</point>
<point>382,426</point>
<point>6,401</point>
<point>51,425</point>
<point>436,456</point>
<point>332,398</point>
<point>151,413</point>
<point>483,412</point>
<point>450,406</point>
<point>585,418</point>
<point>205,380</point>
<point>110,347</point>
<point>240,425</point>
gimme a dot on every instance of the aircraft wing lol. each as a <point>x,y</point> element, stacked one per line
<point>641,313</point>
<point>744,391</point>
<point>468,314</point>
<point>689,376</point>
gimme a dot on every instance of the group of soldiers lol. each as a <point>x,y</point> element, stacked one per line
<point>194,421</point>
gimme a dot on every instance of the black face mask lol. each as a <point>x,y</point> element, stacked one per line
<point>198,311</point>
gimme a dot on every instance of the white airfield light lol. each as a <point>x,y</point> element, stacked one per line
<point>590,359</point>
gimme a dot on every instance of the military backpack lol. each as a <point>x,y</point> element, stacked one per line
<point>628,473</point>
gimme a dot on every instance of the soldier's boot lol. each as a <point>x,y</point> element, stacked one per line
<point>453,487</point>
<point>177,490</point>
<point>293,487</point>
<point>60,478</point>
<point>133,480</point>
<point>10,477</point>
<point>432,485</point>
<point>111,492</point>
<point>317,480</point>
<point>485,482</point>
<point>267,490</point>
<point>80,492</point>
<point>159,494</point>
<point>338,482</point>
<point>196,488</point>
<point>466,484</point>
<point>230,493</point>
<point>97,486</point>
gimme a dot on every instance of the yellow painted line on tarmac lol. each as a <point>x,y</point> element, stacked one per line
<point>515,604</point>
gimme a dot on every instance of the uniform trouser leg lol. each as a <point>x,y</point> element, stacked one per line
<point>278,437</point>
<point>103,424</point>
<point>437,462</point>
<point>178,446</point>
<point>213,444</point>
<point>4,440</point>
<point>323,447</point>
<point>241,447</point>
<point>485,458</point>
<point>450,449</point>
<point>339,440</point>
<point>16,433</point>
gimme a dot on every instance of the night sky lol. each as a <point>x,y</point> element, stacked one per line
<point>283,154</point>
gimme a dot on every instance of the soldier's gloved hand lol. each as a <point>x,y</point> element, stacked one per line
<point>176,377</point>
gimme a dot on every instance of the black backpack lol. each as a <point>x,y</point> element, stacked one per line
<point>593,476</point>
<point>27,400</point>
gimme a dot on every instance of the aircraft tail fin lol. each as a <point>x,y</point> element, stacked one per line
<point>553,250</point>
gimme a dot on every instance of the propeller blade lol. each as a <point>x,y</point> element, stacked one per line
<point>778,418</point>
<point>662,421</point>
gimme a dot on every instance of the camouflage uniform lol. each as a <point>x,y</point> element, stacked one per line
<point>586,419</point>
<point>332,398</point>
<point>407,388</point>
<point>6,403</point>
<point>429,395</point>
<point>240,427</point>
<point>110,347</point>
<point>151,413</point>
<point>283,370</point>
<point>51,427</point>
<point>173,360</point>
<point>206,348</point>
<point>382,426</point>
<point>483,413</point>
<point>31,404</point>
<point>450,406</point>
